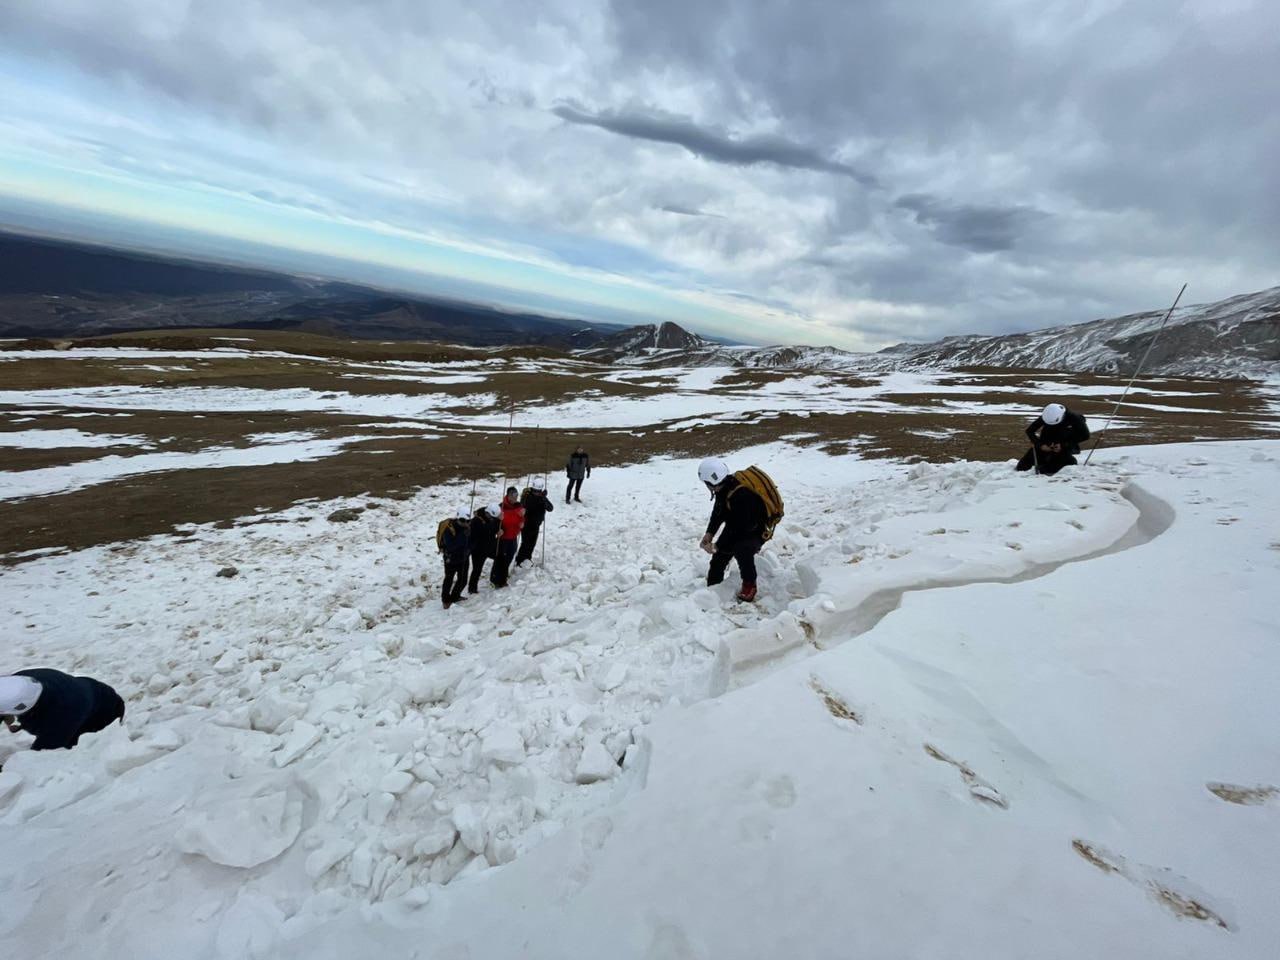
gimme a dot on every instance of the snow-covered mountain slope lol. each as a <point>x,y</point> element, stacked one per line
<point>1234,338</point>
<point>646,342</point>
<point>609,759</point>
<point>1237,338</point>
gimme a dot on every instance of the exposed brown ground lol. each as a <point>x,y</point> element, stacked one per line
<point>155,503</point>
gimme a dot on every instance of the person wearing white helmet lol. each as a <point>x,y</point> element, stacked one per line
<point>744,516</point>
<point>536,505</point>
<point>1055,438</point>
<point>453,537</point>
<point>57,708</point>
<point>486,526</point>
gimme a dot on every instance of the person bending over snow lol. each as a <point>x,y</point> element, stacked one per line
<point>748,520</point>
<point>57,708</point>
<point>1055,438</point>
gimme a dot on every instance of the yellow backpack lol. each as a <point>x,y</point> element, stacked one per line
<point>444,526</point>
<point>762,485</point>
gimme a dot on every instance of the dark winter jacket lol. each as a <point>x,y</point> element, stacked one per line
<point>536,507</point>
<point>741,512</point>
<point>1071,432</point>
<point>578,467</point>
<point>455,541</point>
<point>484,534</point>
<point>68,707</point>
<point>512,519</point>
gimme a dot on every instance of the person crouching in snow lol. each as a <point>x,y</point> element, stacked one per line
<point>57,708</point>
<point>486,526</point>
<point>748,520</point>
<point>1055,438</point>
<point>512,524</point>
<point>536,505</point>
<point>453,538</point>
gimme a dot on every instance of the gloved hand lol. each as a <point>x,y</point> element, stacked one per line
<point>705,544</point>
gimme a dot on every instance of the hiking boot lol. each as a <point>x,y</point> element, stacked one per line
<point>748,593</point>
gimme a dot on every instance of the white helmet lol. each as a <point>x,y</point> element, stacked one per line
<point>495,509</point>
<point>1053,414</point>
<point>713,470</point>
<point>539,483</point>
<point>464,513</point>
<point>18,695</point>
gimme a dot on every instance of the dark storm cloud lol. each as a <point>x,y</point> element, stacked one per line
<point>684,211</point>
<point>982,229</point>
<point>711,143</point>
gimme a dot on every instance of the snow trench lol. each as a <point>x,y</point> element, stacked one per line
<point>1155,516</point>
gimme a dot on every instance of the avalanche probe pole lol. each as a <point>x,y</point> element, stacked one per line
<point>1141,363</point>
<point>546,462</point>
<point>473,498</point>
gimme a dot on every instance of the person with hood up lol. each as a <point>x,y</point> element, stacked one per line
<point>536,505</point>
<point>453,537</point>
<point>57,708</point>
<point>1055,438</point>
<point>746,520</point>
<point>577,469</point>
<point>486,525</point>
<point>512,524</point>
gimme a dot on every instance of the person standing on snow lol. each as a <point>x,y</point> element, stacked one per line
<point>577,469</point>
<point>57,708</point>
<point>512,524</point>
<point>486,525</point>
<point>536,505</point>
<point>453,538</point>
<point>748,520</point>
<point>1055,438</point>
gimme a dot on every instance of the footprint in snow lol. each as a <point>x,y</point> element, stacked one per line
<point>979,789</point>
<point>835,705</point>
<point>1171,891</point>
<point>1245,796</point>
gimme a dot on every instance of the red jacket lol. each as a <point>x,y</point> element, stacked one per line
<point>512,520</point>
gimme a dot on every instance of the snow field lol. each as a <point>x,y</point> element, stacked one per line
<point>316,733</point>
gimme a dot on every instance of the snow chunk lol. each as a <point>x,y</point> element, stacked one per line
<point>301,738</point>
<point>235,831</point>
<point>596,764</point>
<point>396,782</point>
<point>502,744</point>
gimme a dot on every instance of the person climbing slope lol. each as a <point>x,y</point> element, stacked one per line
<point>57,708</point>
<point>1055,438</point>
<point>453,538</point>
<point>577,469</point>
<point>536,505</point>
<point>512,523</point>
<point>748,507</point>
<point>486,526</point>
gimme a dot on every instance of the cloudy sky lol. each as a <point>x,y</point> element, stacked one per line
<point>856,173</point>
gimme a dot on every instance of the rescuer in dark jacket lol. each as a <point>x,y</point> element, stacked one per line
<point>485,527</point>
<point>536,505</point>
<point>454,540</point>
<point>1055,438</point>
<point>744,517</point>
<point>57,708</point>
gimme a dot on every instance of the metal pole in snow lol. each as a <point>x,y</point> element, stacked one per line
<point>1141,363</point>
<point>546,460</point>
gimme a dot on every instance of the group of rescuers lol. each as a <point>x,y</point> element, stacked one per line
<point>58,709</point>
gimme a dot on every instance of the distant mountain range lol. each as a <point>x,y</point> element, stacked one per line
<point>55,289</point>
<point>1234,338</point>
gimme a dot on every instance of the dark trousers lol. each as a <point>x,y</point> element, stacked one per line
<point>455,578</point>
<point>477,568</point>
<point>574,488</point>
<point>107,710</point>
<point>502,563</point>
<point>528,540</point>
<point>744,551</point>
<point>1050,463</point>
